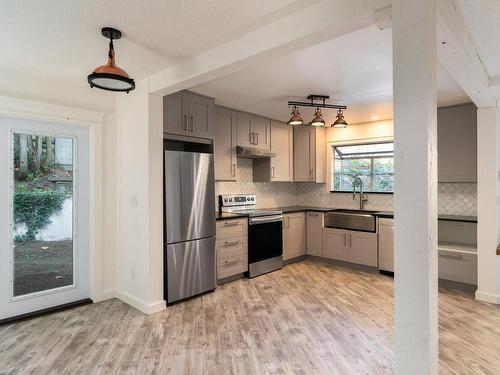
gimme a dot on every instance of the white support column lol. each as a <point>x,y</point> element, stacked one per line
<point>415,198</point>
<point>488,204</point>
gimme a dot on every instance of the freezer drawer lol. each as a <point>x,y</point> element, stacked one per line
<point>190,268</point>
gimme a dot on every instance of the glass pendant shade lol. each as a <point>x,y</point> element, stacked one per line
<point>110,77</point>
<point>317,119</point>
<point>340,122</point>
<point>295,119</point>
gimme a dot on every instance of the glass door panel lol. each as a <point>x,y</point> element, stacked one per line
<point>43,190</point>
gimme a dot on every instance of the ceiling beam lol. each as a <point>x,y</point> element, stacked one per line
<point>458,55</point>
<point>315,22</point>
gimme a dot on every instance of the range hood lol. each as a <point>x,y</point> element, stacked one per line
<point>253,153</point>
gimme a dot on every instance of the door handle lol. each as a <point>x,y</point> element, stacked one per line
<point>231,261</point>
<point>192,123</point>
<point>231,243</point>
<point>288,222</point>
<point>350,240</point>
<point>451,256</point>
<point>345,239</point>
<point>272,170</point>
<point>229,224</point>
<point>257,141</point>
<point>314,215</point>
<point>185,122</point>
<point>233,168</point>
<point>252,138</point>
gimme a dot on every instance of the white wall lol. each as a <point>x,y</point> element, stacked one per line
<point>139,200</point>
<point>109,199</point>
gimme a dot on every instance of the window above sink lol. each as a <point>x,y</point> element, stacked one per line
<point>372,162</point>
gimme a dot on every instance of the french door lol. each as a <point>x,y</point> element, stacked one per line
<point>44,215</point>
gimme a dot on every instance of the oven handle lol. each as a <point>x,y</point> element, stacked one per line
<point>266,219</point>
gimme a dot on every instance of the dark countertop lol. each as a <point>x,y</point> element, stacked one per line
<point>383,214</point>
<point>228,215</point>
<point>460,218</point>
<point>290,209</point>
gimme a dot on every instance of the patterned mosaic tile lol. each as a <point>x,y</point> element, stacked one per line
<point>453,199</point>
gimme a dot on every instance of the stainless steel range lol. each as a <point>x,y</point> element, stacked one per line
<point>265,232</point>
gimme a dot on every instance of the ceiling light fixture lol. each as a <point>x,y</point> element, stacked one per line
<point>318,117</point>
<point>295,119</point>
<point>340,122</point>
<point>110,77</point>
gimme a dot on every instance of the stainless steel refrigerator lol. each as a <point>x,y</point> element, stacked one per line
<point>190,261</point>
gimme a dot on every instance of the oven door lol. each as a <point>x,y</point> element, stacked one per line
<point>265,238</point>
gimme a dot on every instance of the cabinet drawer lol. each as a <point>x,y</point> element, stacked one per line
<point>455,266</point>
<point>229,247</point>
<point>233,265</point>
<point>231,228</point>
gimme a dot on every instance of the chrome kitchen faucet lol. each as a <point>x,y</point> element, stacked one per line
<point>362,197</point>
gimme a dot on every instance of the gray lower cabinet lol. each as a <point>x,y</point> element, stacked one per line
<point>231,247</point>
<point>294,235</point>
<point>225,158</point>
<point>189,114</point>
<point>314,233</point>
<point>386,244</point>
<point>350,246</point>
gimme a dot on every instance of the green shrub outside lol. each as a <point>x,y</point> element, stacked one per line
<point>34,208</point>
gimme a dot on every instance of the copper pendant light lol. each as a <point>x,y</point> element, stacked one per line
<point>317,119</point>
<point>110,77</point>
<point>295,119</point>
<point>340,122</point>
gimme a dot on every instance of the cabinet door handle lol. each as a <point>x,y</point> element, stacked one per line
<point>257,137</point>
<point>350,240</point>
<point>233,169</point>
<point>311,173</point>
<point>345,239</point>
<point>288,222</point>
<point>231,261</point>
<point>185,122</point>
<point>192,123</point>
<point>451,256</point>
<point>251,138</point>
<point>313,214</point>
<point>231,243</point>
<point>229,224</point>
<point>272,170</point>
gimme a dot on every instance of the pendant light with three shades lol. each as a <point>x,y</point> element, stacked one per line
<point>318,119</point>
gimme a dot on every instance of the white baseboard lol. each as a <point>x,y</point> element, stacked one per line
<point>140,305</point>
<point>107,294</point>
<point>488,297</point>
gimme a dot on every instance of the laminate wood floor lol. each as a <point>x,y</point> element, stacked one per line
<point>308,318</point>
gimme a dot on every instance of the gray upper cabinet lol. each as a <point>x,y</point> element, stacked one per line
<point>175,113</point>
<point>304,143</point>
<point>244,129</point>
<point>457,143</point>
<point>309,154</point>
<point>225,144</point>
<point>262,133</point>
<point>253,131</point>
<point>186,113</point>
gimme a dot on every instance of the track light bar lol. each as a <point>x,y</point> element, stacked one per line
<point>322,102</point>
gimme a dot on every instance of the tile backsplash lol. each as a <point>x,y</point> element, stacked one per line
<point>275,194</point>
<point>453,198</point>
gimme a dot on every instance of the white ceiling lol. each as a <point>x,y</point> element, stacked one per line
<point>482,18</point>
<point>355,70</point>
<point>51,44</point>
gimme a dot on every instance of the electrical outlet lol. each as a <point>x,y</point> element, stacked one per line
<point>460,229</point>
<point>134,201</point>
